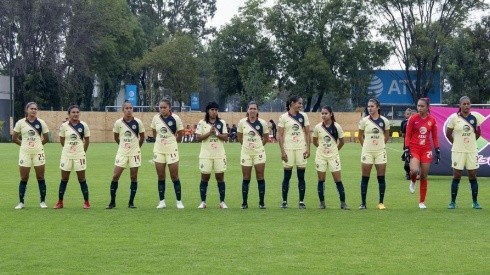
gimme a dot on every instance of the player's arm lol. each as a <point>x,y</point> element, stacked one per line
<point>435,134</point>
<point>308,139</point>
<point>154,132</point>
<point>265,138</point>
<point>449,134</point>
<point>62,141</point>
<point>477,132</point>
<point>116,137</point>
<point>280,139</point>
<point>86,142</point>
<point>408,132</point>
<point>45,138</point>
<point>239,137</point>
<point>142,139</point>
<point>16,138</point>
<point>387,135</point>
<point>179,135</point>
<point>223,136</point>
<point>361,137</point>
<point>341,143</point>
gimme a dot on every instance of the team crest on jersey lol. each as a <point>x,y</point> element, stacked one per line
<point>327,139</point>
<point>36,126</point>
<point>381,124</point>
<point>127,134</point>
<point>466,128</point>
<point>423,130</point>
<point>218,126</point>
<point>300,120</point>
<point>363,158</point>
<point>62,165</point>
<point>134,127</point>
<point>79,130</point>
<point>375,131</point>
<point>73,137</point>
<point>472,121</point>
<point>243,161</point>
<point>257,127</point>
<point>21,161</point>
<point>429,123</point>
<point>31,133</point>
<point>295,127</point>
<point>170,123</point>
<point>163,130</point>
<point>251,134</point>
<point>455,164</point>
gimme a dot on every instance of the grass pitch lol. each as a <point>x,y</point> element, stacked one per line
<point>401,239</point>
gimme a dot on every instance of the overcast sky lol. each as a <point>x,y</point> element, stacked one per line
<point>226,9</point>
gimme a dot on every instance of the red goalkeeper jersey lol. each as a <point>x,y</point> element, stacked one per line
<point>419,131</point>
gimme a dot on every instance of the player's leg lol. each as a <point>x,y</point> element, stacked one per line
<point>133,174</point>
<point>160,169</point>
<point>260,175</point>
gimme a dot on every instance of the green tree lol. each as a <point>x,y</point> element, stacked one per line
<point>466,63</point>
<point>418,32</point>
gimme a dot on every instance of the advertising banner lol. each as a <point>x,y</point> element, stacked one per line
<point>195,102</point>
<point>441,115</point>
<point>132,94</point>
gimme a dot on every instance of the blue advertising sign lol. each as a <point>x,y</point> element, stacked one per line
<point>391,87</point>
<point>195,102</point>
<point>132,94</point>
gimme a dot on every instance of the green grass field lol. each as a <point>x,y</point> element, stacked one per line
<point>402,239</point>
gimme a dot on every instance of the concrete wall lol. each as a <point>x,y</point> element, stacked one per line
<point>101,123</point>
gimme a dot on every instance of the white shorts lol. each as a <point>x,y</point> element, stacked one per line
<point>332,164</point>
<point>128,161</point>
<point>461,160</point>
<point>295,158</point>
<point>166,158</point>
<point>31,160</point>
<point>251,160</point>
<point>374,157</point>
<point>79,164</point>
<point>209,165</point>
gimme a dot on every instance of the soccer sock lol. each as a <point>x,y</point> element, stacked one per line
<point>321,190</point>
<point>245,186</point>
<point>474,189</point>
<point>454,189</point>
<point>133,187</point>
<point>22,190</point>
<point>285,184</point>
<point>423,189</point>
<point>161,189</point>
<point>42,189</point>
<point>203,188</point>
<point>340,189</point>
<point>382,188</point>
<point>114,185</point>
<point>221,190</point>
<point>261,186</point>
<point>62,189</point>
<point>301,183</point>
<point>364,187</point>
<point>178,189</point>
<point>406,167</point>
<point>84,188</point>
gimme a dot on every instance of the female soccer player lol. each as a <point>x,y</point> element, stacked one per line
<point>328,137</point>
<point>167,129</point>
<point>418,147</point>
<point>463,129</point>
<point>403,130</point>
<point>253,133</point>
<point>74,138</point>
<point>212,133</point>
<point>33,132</point>
<point>374,131</point>
<point>294,141</point>
<point>129,133</point>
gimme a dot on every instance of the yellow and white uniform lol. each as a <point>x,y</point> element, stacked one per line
<point>253,151</point>
<point>327,154</point>
<point>73,155</point>
<point>129,151</point>
<point>294,138</point>
<point>212,156</point>
<point>31,151</point>
<point>166,148</point>
<point>373,148</point>
<point>464,152</point>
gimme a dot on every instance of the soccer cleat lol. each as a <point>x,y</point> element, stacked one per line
<point>131,205</point>
<point>284,205</point>
<point>202,205</point>
<point>322,205</point>
<point>422,205</point>
<point>20,206</point>
<point>411,187</point>
<point>244,206</point>
<point>261,206</point>
<point>111,205</point>
<point>86,205</point>
<point>161,204</point>
<point>381,206</point>
<point>301,205</point>
<point>344,206</point>
<point>476,205</point>
<point>58,205</point>
<point>452,205</point>
<point>43,205</point>
<point>180,205</point>
<point>362,207</point>
<point>223,205</point>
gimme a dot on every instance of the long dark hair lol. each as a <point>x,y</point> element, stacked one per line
<point>292,99</point>
<point>376,101</point>
<point>211,105</point>
<point>329,109</point>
